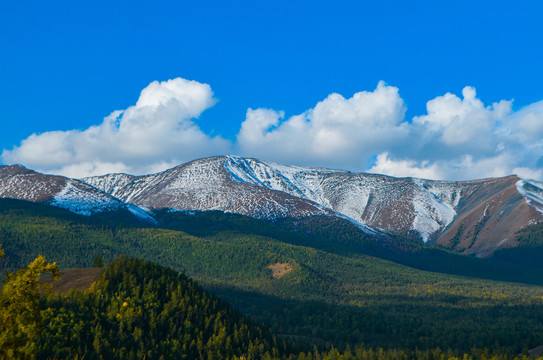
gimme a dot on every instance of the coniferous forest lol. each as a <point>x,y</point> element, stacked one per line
<point>344,296</point>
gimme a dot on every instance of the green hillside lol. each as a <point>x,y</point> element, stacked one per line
<point>138,310</point>
<point>135,310</point>
<point>528,254</point>
<point>336,291</point>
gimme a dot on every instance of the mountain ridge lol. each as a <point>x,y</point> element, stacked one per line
<point>431,208</point>
<point>475,217</point>
<point>20,183</point>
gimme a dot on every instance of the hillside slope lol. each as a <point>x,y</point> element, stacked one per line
<point>490,216</point>
<point>137,310</point>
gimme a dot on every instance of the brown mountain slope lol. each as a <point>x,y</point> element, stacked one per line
<point>18,182</point>
<point>488,217</point>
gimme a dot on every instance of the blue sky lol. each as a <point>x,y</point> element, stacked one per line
<point>67,65</point>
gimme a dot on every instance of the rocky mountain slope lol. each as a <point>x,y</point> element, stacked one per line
<point>17,182</point>
<point>489,215</point>
<point>206,184</point>
<point>472,217</point>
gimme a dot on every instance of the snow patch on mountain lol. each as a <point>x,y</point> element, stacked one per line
<point>116,185</point>
<point>83,199</point>
<point>533,193</point>
<point>141,213</point>
<point>359,197</point>
<point>294,180</point>
<point>80,198</point>
<point>434,206</point>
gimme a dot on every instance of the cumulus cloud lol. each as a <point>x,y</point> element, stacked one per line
<point>466,139</point>
<point>157,132</point>
<point>401,168</point>
<point>454,121</point>
<point>458,138</point>
<point>336,132</point>
<point>526,125</point>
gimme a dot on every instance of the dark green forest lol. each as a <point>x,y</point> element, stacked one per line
<point>345,290</point>
<point>140,310</point>
<point>135,310</point>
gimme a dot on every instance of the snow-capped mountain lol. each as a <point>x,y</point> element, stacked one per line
<point>206,184</point>
<point>17,182</point>
<point>471,217</point>
<point>477,216</point>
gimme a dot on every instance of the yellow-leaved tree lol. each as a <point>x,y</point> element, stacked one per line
<point>20,314</point>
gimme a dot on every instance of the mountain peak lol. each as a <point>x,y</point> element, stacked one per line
<point>472,217</point>
<point>397,205</point>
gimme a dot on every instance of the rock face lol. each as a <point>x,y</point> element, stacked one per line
<point>471,217</point>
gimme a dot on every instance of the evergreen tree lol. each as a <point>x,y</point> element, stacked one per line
<point>98,261</point>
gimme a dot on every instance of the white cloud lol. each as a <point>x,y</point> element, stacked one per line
<point>526,125</point>
<point>405,168</point>
<point>336,132</point>
<point>527,173</point>
<point>459,137</point>
<point>455,127</point>
<point>455,121</point>
<point>153,134</point>
<point>464,167</point>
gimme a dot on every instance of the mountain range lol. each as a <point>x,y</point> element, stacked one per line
<point>325,256</point>
<point>474,217</point>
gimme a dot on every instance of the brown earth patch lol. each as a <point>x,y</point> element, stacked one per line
<point>279,269</point>
<point>79,279</point>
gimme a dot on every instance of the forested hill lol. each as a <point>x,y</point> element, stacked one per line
<point>136,310</point>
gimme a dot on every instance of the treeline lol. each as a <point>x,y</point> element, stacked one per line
<point>528,254</point>
<point>340,236</point>
<point>362,353</point>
